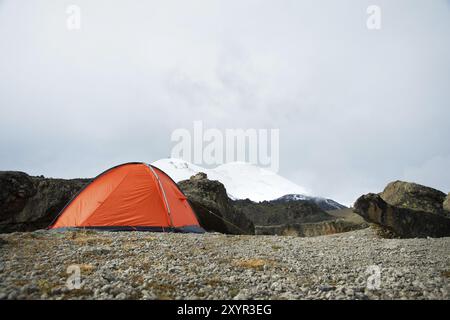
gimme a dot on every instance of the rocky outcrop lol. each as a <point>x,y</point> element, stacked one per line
<point>309,229</point>
<point>29,203</point>
<point>414,196</point>
<point>214,209</point>
<point>281,212</point>
<point>404,222</point>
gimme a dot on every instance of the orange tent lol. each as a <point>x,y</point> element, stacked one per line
<point>131,196</point>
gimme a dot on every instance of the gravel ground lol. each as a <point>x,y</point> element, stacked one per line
<point>141,265</point>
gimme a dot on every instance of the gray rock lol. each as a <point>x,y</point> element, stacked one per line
<point>12,295</point>
<point>121,296</point>
<point>403,222</point>
<point>446,204</point>
<point>30,203</point>
<point>212,206</point>
<point>241,296</point>
<point>413,196</point>
<point>326,288</point>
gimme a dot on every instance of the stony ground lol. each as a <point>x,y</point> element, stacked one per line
<point>139,265</point>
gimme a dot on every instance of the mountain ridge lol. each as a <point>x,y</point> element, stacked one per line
<point>323,203</point>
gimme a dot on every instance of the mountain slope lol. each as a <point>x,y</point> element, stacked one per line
<point>322,203</point>
<point>277,212</point>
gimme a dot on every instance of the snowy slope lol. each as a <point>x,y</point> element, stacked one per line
<point>257,184</point>
<point>179,169</point>
<point>242,180</point>
<point>323,203</point>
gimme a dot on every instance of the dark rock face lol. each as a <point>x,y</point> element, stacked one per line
<point>280,212</point>
<point>404,222</point>
<point>15,190</point>
<point>29,203</point>
<point>414,197</point>
<point>214,209</point>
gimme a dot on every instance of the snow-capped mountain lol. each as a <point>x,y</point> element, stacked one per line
<point>323,203</point>
<point>242,180</point>
<point>246,181</point>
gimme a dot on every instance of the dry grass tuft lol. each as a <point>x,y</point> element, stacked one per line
<point>163,291</point>
<point>257,264</point>
<point>83,240</point>
<point>86,269</point>
<point>44,286</point>
<point>446,273</point>
<point>214,282</point>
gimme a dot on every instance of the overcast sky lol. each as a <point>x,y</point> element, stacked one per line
<point>356,108</point>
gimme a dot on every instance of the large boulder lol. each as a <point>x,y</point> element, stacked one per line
<point>446,203</point>
<point>214,209</point>
<point>413,196</point>
<point>403,222</point>
<point>29,203</point>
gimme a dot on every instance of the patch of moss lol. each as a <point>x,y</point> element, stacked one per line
<point>44,286</point>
